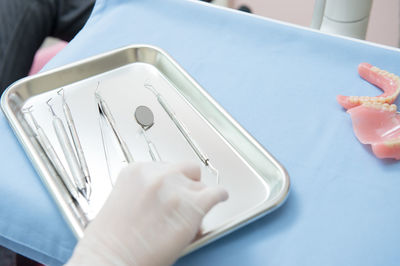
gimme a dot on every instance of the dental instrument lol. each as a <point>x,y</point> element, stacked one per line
<point>184,131</point>
<point>103,141</point>
<point>75,138</point>
<point>145,118</point>
<point>106,112</point>
<point>68,151</point>
<point>44,142</point>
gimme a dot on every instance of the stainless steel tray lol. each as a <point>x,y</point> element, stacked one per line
<point>256,182</point>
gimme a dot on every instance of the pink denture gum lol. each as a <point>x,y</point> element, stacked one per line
<point>375,119</point>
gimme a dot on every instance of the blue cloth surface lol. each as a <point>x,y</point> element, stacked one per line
<point>280,82</point>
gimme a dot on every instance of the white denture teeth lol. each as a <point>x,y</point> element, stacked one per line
<point>380,106</point>
<point>394,85</point>
<point>393,142</point>
<point>353,99</point>
<point>387,74</point>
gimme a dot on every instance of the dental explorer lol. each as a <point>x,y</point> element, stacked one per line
<point>185,132</point>
<point>103,141</point>
<point>75,139</point>
<point>68,151</point>
<point>145,118</point>
<point>44,142</point>
<point>105,111</point>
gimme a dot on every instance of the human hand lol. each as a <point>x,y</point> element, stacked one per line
<point>154,211</point>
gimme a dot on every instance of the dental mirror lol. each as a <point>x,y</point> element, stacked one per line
<point>144,117</point>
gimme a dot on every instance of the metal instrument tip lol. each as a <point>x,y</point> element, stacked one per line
<point>61,93</point>
<point>151,88</point>
<point>27,109</point>
<point>50,106</point>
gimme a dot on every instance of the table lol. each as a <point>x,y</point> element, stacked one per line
<point>279,81</point>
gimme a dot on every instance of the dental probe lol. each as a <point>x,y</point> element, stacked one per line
<point>44,142</point>
<point>105,110</point>
<point>145,118</point>
<point>105,150</point>
<point>185,132</point>
<point>76,141</point>
<point>68,151</point>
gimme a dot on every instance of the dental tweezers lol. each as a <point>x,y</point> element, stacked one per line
<point>106,113</point>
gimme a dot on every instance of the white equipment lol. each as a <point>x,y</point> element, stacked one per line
<point>344,17</point>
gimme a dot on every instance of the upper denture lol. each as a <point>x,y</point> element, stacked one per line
<point>387,149</point>
<point>375,122</point>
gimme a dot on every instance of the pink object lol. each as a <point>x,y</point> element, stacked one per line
<point>384,80</point>
<point>374,123</point>
<point>378,125</point>
<point>387,149</point>
<point>375,120</point>
<point>44,55</point>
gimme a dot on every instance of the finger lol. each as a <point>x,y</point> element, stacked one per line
<point>128,173</point>
<point>195,185</point>
<point>190,170</point>
<point>211,196</point>
<point>177,180</point>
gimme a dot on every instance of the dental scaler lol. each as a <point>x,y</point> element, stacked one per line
<point>184,131</point>
<point>76,141</point>
<point>69,153</point>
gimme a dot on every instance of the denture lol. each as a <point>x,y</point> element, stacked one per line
<point>375,119</point>
<point>387,149</point>
<point>388,82</point>
<point>375,122</point>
